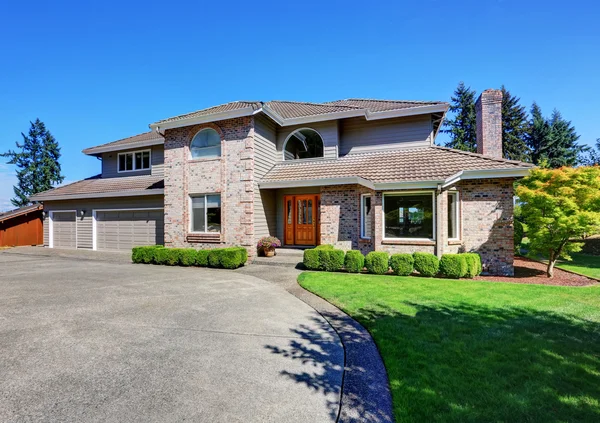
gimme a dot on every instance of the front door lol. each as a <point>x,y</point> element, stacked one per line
<point>301,219</point>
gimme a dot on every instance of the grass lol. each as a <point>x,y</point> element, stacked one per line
<point>466,351</point>
<point>582,263</point>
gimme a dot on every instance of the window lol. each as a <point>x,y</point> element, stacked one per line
<point>303,144</point>
<point>366,216</point>
<point>136,160</point>
<point>206,144</point>
<point>408,216</point>
<point>206,213</point>
<point>453,216</point>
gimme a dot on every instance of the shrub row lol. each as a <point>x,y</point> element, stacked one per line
<point>326,257</point>
<point>226,258</point>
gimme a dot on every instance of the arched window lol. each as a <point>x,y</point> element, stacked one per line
<point>206,144</point>
<point>303,144</point>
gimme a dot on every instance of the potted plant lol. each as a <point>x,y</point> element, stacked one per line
<point>267,245</point>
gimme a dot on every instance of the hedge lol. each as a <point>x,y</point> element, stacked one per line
<point>474,266</point>
<point>402,264</point>
<point>324,257</point>
<point>311,259</point>
<point>354,262</point>
<point>377,262</point>
<point>426,264</point>
<point>453,266</point>
<point>228,258</point>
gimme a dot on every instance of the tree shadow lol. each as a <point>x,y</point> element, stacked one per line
<point>459,362</point>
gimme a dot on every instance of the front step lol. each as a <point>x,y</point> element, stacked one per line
<point>288,257</point>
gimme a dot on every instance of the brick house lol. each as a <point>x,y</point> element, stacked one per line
<point>361,174</point>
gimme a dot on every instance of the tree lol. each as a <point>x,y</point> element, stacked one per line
<point>537,134</point>
<point>590,156</point>
<point>462,127</point>
<point>559,205</point>
<point>514,128</point>
<point>37,163</point>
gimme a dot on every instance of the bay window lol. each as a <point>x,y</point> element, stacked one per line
<point>205,213</point>
<point>409,216</point>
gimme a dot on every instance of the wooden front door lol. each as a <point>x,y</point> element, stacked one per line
<point>301,219</point>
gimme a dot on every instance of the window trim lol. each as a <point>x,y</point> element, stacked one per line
<point>133,160</point>
<point>362,215</point>
<point>192,158</point>
<point>408,193</point>
<point>290,136</point>
<point>191,214</point>
<point>457,217</point>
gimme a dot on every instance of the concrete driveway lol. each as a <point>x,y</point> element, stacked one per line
<point>92,340</point>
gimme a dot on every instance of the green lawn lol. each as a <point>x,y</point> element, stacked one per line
<point>464,351</point>
<point>584,264</point>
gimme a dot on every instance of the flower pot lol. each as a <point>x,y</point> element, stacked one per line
<point>269,251</point>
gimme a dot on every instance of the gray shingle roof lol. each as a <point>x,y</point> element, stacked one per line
<point>295,109</point>
<point>144,139</point>
<point>405,165</point>
<point>227,107</point>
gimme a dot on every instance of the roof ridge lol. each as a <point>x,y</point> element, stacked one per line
<point>310,103</point>
<point>390,101</point>
<point>209,107</point>
<point>482,156</point>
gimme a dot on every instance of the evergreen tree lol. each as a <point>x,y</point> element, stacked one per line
<point>562,148</point>
<point>462,127</point>
<point>590,156</point>
<point>37,163</point>
<point>537,134</point>
<point>514,128</point>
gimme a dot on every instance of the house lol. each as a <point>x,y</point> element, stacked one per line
<point>21,227</point>
<point>356,173</point>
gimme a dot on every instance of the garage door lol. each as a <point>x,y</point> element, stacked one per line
<point>64,230</point>
<point>124,229</point>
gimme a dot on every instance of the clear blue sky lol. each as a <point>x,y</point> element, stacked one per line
<point>98,71</point>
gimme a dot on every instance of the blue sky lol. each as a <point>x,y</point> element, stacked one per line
<point>95,72</point>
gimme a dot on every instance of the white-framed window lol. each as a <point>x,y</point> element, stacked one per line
<point>205,213</point>
<point>409,216</point>
<point>206,144</point>
<point>133,161</point>
<point>366,215</point>
<point>453,216</point>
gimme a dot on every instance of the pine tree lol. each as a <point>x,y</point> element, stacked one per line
<point>462,127</point>
<point>37,163</point>
<point>514,128</point>
<point>562,148</point>
<point>538,130</point>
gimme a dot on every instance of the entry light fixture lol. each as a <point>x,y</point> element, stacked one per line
<point>82,212</point>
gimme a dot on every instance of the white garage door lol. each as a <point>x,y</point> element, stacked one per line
<point>64,230</point>
<point>125,229</point>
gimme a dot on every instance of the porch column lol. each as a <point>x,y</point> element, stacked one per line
<point>441,223</point>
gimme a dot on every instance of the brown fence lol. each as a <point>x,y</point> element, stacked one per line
<point>25,229</point>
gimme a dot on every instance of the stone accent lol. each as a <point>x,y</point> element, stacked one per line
<point>231,176</point>
<point>489,123</point>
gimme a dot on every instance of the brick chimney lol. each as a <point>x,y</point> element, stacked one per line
<point>489,123</point>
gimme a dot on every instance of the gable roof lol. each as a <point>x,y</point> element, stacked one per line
<point>427,166</point>
<point>375,106</point>
<point>145,139</point>
<point>234,106</point>
<point>20,212</point>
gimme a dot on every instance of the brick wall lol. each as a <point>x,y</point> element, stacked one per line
<point>231,176</point>
<point>489,123</point>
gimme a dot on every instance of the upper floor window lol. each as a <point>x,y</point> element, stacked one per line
<point>206,144</point>
<point>135,160</point>
<point>303,144</point>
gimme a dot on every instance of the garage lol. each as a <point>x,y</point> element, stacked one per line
<point>63,229</point>
<point>128,228</point>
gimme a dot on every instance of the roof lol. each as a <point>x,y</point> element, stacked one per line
<point>432,164</point>
<point>20,212</point>
<point>141,140</point>
<point>287,113</point>
<point>97,186</point>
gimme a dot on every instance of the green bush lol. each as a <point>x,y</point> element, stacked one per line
<point>214,257</point>
<point>202,258</point>
<point>426,264</point>
<point>232,257</point>
<point>453,266</point>
<point>173,256</point>
<point>188,257</point>
<point>161,256</point>
<point>229,258</point>
<point>136,254</point>
<point>149,253</point>
<point>518,235</point>
<point>354,262</point>
<point>474,266</point>
<point>324,247</point>
<point>331,260</point>
<point>402,264</point>
<point>377,262</point>
<point>311,259</point>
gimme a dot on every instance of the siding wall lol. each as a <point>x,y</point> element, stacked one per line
<point>85,223</point>
<point>157,160</point>
<point>265,156</point>
<point>328,131</point>
<point>360,135</point>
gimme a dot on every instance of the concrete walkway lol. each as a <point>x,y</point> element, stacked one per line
<point>95,338</point>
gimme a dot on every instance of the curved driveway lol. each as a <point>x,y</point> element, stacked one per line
<point>90,340</point>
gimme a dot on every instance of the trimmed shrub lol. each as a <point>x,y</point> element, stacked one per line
<point>324,247</point>
<point>354,262</point>
<point>137,254</point>
<point>244,254</point>
<point>474,266</point>
<point>377,262</point>
<point>161,255</point>
<point>202,258</point>
<point>453,266</point>
<point>173,256</point>
<point>149,253</point>
<point>331,260</point>
<point>188,257</point>
<point>230,258</point>
<point>311,259</point>
<point>426,264</point>
<point>402,264</point>
<point>214,257</point>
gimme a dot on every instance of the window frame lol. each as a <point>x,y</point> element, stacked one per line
<point>133,153</point>
<point>191,213</point>
<point>362,215</point>
<point>289,136</point>
<point>456,217</point>
<point>192,158</point>
<point>409,193</point>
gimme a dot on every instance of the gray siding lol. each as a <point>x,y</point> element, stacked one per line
<point>328,131</point>
<point>360,135</point>
<point>157,160</point>
<point>265,156</point>
<point>85,223</point>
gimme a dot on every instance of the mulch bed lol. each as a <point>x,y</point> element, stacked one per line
<point>533,272</point>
